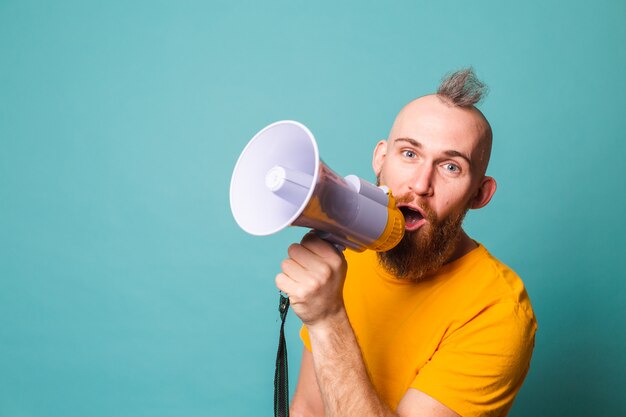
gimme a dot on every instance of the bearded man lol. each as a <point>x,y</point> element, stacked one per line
<point>436,326</point>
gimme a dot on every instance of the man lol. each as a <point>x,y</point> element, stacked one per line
<point>437,326</point>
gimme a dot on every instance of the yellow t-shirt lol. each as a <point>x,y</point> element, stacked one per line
<point>464,337</point>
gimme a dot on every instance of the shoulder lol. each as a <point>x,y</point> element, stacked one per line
<point>479,282</point>
<point>486,276</point>
<point>485,351</point>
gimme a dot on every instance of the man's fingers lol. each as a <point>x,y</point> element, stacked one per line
<point>316,244</point>
<point>312,276</point>
<point>286,284</point>
<point>324,250</point>
<point>297,291</point>
<point>303,256</point>
<point>292,269</point>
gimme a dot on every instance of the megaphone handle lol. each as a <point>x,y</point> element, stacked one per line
<point>339,247</point>
<point>330,238</point>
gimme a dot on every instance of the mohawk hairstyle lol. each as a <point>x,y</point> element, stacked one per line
<point>462,88</point>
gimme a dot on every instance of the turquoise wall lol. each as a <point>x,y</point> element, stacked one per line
<point>126,288</point>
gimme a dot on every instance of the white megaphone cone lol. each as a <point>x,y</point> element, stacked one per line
<point>279,180</point>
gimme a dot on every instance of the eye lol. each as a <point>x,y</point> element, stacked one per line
<point>451,168</point>
<point>409,153</point>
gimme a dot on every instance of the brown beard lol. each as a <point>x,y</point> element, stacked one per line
<point>423,251</point>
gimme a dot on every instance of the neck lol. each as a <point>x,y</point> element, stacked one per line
<point>464,246</point>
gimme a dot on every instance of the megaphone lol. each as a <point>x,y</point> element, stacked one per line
<point>279,181</point>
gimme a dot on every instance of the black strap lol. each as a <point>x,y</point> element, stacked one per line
<point>281,375</point>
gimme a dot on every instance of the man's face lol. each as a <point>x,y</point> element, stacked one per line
<point>433,162</point>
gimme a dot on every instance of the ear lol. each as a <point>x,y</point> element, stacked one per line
<point>380,151</point>
<point>486,190</point>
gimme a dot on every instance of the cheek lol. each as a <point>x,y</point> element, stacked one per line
<point>453,197</point>
<point>396,173</point>
<point>393,179</point>
<point>456,203</point>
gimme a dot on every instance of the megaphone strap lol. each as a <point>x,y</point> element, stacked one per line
<point>281,374</point>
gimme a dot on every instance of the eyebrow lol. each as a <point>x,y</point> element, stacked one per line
<point>451,153</point>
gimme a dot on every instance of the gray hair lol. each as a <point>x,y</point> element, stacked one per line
<point>462,88</point>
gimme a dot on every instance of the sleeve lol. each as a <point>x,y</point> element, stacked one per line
<point>479,368</point>
<point>304,336</point>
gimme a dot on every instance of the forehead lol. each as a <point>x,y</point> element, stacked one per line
<point>437,125</point>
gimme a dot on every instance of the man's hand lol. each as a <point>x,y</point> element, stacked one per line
<point>313,277</point>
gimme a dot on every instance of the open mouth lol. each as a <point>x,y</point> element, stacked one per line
<point>413,218</point>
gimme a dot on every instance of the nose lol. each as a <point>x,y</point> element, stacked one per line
<point>422,182</point>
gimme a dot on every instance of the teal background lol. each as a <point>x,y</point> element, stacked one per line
<point>126,288</point>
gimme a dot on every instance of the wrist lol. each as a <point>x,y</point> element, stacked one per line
<point>330,326</point>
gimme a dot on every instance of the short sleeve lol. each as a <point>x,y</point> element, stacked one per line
<point>304,335</point>
<point>479,367</point>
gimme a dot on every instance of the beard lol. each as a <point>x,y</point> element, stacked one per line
<point>423,251</point>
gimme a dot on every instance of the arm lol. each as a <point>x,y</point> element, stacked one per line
<point>313,277</point>
<point>307,400</point>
